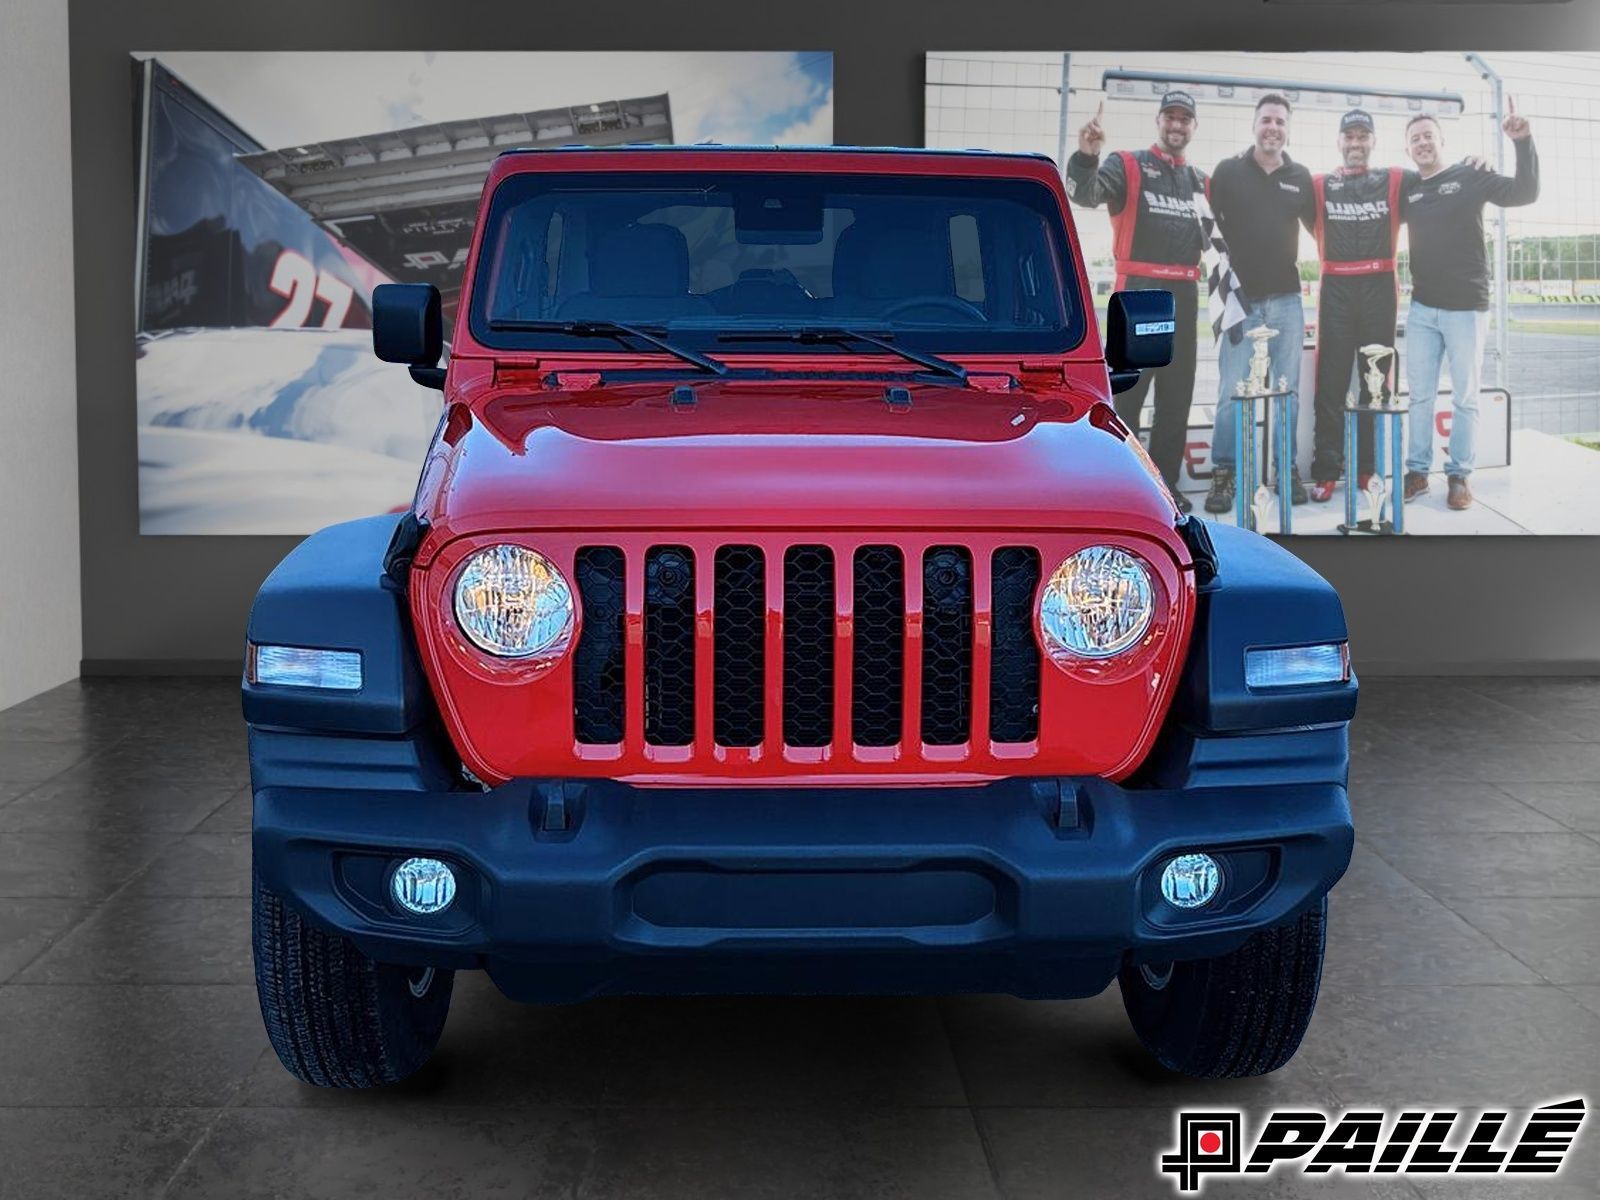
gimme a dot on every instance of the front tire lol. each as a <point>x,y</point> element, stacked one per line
<point>336,1017</point>
<point>1239,1014</point>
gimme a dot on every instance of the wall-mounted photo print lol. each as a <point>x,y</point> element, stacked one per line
<point>277,189</point>
<point>1386,270</point>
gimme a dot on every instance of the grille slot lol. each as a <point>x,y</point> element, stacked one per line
<point>669,646</point>
<point>599,677</point>
<point>1014,652</point>
<point>808,627</point>
<point>878,669</point>
<point>740,650</point>
<point>946,645</point>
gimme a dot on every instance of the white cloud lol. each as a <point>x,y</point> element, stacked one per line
<point>289,98</point>
<point>813,130</point>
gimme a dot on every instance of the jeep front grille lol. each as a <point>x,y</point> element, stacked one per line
<point>824,644</point>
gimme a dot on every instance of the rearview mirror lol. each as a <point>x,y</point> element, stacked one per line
<point>1140,327</point>
<point>408,327</point>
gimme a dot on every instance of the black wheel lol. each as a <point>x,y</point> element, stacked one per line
<point>336,1017</point>
<point>1239,1014</point>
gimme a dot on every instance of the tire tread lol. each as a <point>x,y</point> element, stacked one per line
<point>332,1014</point>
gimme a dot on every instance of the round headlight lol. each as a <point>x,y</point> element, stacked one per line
<point>513,603</point>
<point>1098,603</point>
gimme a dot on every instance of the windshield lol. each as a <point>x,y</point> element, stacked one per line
<point>714,259</point>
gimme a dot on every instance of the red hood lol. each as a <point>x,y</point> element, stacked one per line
<point>790,454</point>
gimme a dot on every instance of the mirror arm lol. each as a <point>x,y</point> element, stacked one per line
<point>429,377</point>
<point>1122,380</point>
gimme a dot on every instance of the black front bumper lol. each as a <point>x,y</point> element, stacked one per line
<point>1034,887</point>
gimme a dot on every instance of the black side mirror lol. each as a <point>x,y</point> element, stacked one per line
<point>408,327</point>
<point>1140,327</point>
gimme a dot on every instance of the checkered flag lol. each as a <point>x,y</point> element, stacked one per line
<point>1225,298</point>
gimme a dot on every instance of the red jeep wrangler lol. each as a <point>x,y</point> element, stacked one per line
<point>783,608</point>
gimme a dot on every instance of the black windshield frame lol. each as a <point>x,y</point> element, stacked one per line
<point>706,333</point>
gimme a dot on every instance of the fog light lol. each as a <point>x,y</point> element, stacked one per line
<point>1191,881</point>
<point>423,886</point>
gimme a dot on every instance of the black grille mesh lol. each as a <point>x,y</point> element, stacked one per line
<point>598,672</point>
<point>877,680</point>
<point>1014,652</point>
<point>738,649</point>
<point>808,617</point>
<point>669,646</point>
<point>946,645</point>
<point>740,658</point>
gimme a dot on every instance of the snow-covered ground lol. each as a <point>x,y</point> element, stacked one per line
<point>274,431</point>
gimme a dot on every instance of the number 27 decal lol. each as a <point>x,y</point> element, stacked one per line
<point>299,282</point>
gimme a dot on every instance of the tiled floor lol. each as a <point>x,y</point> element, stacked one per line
<point>1464,968</point>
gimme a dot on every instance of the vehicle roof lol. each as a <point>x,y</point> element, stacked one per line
<point>769,147</point>
<point>756,159</point>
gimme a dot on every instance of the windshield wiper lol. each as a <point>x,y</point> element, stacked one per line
<point>811,335</point>
<point>611,329</point>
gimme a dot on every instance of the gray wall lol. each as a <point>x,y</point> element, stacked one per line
<point>1422,606</point>
<point>41,627</point>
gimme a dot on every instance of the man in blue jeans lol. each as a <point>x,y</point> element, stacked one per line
<point>1260,198</point>
<point>1443,207</point>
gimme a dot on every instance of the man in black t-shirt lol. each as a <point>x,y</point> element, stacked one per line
<point>1261,197</point>
<point>1150,197</point>
<point>1443,206</point>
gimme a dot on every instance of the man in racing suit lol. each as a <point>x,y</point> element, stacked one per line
<point>1357,227</point>
<point>1150,197</point>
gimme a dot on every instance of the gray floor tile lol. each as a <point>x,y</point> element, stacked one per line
<point>1569,704</point>
<point>1457,866</point>
<point>28,927</point>
<point>396,1152</point>
<point>85,800</point>
<point>1443,712</point>
<point>1387,931</point>
<point>73,864</point>
<point>1431,807</point>
<point>1575,805</point>
<point>1493,761</point>
<point>494,1053</point>
<point>783,1051</point>
<point>126,1045</point>
<point>147,939</point>
<point>1444,1045</point>
<point>232,817</point>
<point>32,762</point>
<point>1587,995</point>
<point>177,758</point>
<point>1558,937</point>
<point>1084,1054</point>
<point>788,1154</point>
<point>1111,1153</point>
<point>83,1153</point>
<point>199,864</point>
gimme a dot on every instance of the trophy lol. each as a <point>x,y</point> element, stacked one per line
<point>1253,508</point>
<point>1260,361</point>
<point>1386,413</point>
<point>1377,356</point>
<point>1376,491</point>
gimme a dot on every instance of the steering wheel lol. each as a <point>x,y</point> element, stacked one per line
<point>953,304</point>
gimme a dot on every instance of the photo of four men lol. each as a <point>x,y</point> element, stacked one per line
<point>1260,198</point>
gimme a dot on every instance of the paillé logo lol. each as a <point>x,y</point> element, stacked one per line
<point>1417,1142</point>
